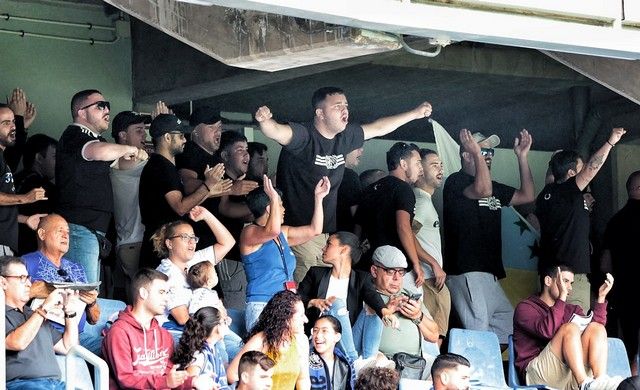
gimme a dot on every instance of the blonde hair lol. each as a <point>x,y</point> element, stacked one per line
<point>160,236</point>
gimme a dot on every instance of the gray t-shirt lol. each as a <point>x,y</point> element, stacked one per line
<point>404,339</point>
<point>38,359</point>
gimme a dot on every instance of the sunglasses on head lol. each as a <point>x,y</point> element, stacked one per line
<point>63,273</point>
<point>487,152</point>
<point>100,105</point>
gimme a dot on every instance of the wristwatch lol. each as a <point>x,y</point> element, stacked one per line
<point>70,315</point>
<point>417,321</point>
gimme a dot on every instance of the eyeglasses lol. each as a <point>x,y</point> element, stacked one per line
<point>100,105</point>
<point>23,278</point>
<point>392,271</point>
<point>186,238</point>
<point>227,321</point>
<point>487,152</point>
<point>62,272</point>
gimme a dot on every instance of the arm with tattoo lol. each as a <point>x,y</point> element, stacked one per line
<point>591,168</point>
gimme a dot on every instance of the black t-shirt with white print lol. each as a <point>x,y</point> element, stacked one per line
<point>473,227</point>
<point>304,161</point>
<point>8,214</point>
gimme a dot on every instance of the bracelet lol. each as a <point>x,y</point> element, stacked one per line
<point>92,304</point>
<point>70,315</point>
<point>206,186</point>
<point>417,321</point>
<point>612,145</point>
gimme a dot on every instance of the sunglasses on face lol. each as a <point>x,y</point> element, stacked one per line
<point>487,152</point>
<point>100,105</point>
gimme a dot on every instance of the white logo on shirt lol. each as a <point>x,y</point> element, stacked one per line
<point>492,203</point>
<point>330,162</point>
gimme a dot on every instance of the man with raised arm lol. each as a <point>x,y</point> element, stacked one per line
<point>316,149</point>
<point>564,215</point>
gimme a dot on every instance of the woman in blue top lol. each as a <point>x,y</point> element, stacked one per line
<point>264,245</point>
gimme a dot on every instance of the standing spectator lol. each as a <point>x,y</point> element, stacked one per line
<point>128,128</point>
<point>9,200</point>
<point>436,296</point>
<point>264,245</point>
<point>162,197</point>
<point>85,198</point>
<point>137,349</point>
<point>620,247</point>
<point>313,150</point>
<point>564,215</point>
<point>550,348</point>
<point>31,342</point>
<point>258,161</point>
<point>349,193</point>
<point>450,371</point>
<point>329,368</point>
<point>371,176</point>
<point>472,203</point>
<point>255,371</point>
<point>25,113</point>
<point>47,266</point>
<point>279,333</point>
<point>39,171</point>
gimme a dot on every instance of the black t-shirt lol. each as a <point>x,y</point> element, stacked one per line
<point>196,159</point>
<point>623,231</point>
<point>84,187</point>
<point>158,178</point>
<point>234,226</point>
<point>349,195</point>
<point>25,182</point>
<point>473,227</point>
<point>564,226</point>
<point>377,213</point>
<point>8,214</point>
<point>304,161</point>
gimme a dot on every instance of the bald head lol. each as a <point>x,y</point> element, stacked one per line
<point>53,236</point>
<point>633,185</point>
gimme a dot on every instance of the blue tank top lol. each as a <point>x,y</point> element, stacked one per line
<point>267,269</point>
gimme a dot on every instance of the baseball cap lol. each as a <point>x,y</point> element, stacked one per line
<point>389,256</point>
<point>207,115</point>
<point>488,142</point>
<point>167,123</point>
<point>125,119</point>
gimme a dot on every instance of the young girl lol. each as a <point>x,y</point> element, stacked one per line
<point>202,277</point>
<point>329,368</point>
<point>196,350</point>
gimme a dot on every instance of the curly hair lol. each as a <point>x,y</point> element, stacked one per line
<point>196,330</point>
<point>274,321</point>
<point>165,231</point>
<point>378,378</point>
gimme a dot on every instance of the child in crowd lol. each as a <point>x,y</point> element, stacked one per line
<point>202,278</point>
<point>329,368</point>
<point>196,349</point>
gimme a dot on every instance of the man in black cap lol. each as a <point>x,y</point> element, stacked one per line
<point>128,128</point>
<point>162,194</point>
<point>202,151</point>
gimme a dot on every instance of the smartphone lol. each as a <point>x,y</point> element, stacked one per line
<point>413,297</point>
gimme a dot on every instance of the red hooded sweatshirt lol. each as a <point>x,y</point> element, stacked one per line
<point>138,358</point>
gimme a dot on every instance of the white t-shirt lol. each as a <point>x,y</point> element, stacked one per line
<point>338,288</point>
<point>180,292</point>
<point>429,233</point>
<point>202,297</point>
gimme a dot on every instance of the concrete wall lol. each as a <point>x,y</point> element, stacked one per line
<point>51,71</point>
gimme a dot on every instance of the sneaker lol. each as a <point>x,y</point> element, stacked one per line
<point>603,382</point>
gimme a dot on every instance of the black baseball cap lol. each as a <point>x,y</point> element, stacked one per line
<point>167,123</point>
<point>207,115</point>
<point>125,119</point>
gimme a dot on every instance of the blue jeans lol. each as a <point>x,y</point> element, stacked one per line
<point>367,332</point>
<point>83,249</point>
<point>339,310</point>
<point>91,342</point>
<point>36,384</point>
<point>252,313</point>
<point>232,344</point>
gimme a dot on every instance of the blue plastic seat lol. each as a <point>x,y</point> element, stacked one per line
<point>617,362</point>
<point>513,378</point>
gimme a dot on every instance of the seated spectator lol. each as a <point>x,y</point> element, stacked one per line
<point>550,348</point>
<point>340,291</point>
<point>378,378</point>
<point>413,324</point>
<point>258,161</point>
<point>255,371</point>
<point>39,171</point>
<point>48,265</point>
<point>329,368</point>
<point>137,349</point>
<point>279,333</point>
<point>196,350</point>
<point>202,278</point>
<point>450,371</point>
<point>265,245</point>
<point>31,342</point>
